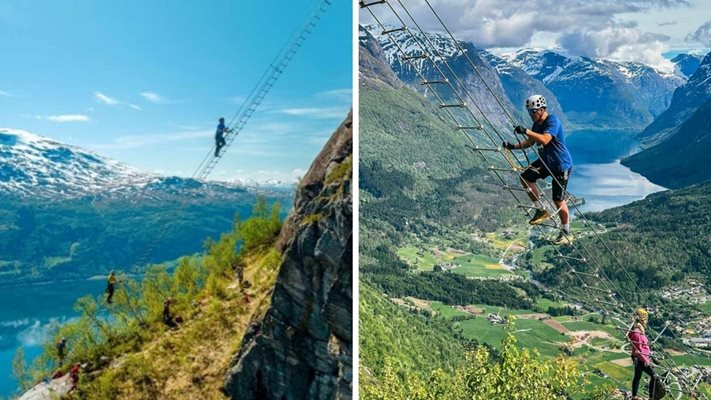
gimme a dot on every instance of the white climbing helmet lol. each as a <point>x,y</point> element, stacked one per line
<point>535,102</point>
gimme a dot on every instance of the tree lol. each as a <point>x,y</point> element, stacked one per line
<point>19,369</point>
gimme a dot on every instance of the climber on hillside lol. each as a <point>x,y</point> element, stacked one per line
<point>220,136</point>
<point>74,375</point>
<point>555,160</point>
<point>61,346</point>
<point>111,286</point>
<point>641,356</point>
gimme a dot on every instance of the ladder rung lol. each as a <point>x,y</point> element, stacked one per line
<point>477,148</point>
<point>548,225</point>
<point>606,291</point>
<point>441,81</point>
<point>478,127</point>
<point>575,259</point>
<point>501,169</point>
<point>363,4</point>
<point>607,302</point>
<point>526,207</point>
<point>459,105</point>
<point>594,276</point>
<point>393,30</point>
<point>518,189</point>
<point>415,57</point>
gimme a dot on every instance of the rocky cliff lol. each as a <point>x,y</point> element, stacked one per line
<point>302,347</point>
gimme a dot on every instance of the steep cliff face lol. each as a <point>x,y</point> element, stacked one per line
<point>302,347</point>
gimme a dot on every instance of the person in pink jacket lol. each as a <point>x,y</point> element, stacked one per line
<point>641,354</point>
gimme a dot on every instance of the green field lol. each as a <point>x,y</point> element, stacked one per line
<point>469,265</point>
<point>424,262</point>
<point>590,326</point>
<point>706,308</point>
<point>532,334</point>
<point>536,335</point>
<point>478,266</point>
<point>447,311</point>
<point>497,239</point>
<point>543,304</point>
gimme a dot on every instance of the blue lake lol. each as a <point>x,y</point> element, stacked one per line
<point>26,314</point>
<point>598,176</point>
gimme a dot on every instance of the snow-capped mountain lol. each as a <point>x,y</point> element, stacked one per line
<point>519,85</point>
<point>686,100</point>
<point>442,48</point>
<point>686,64</point>
<point>599,92</point>
<point>37,166</point>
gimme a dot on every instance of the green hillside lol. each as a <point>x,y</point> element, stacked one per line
<point>659,240</point>
<point>71,239</point>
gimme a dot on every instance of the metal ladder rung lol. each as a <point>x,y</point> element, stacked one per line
<point>393,30</point>
<point>477,148</point>
<point>419,56</point>
<point>363,4</point>
<point>594,276</point>
<point>517,189</point>
<point>459,105</point>
<point>501,169</point>
<point>574,259</point>
<point>606,291</point>
<point>524,206</point>
<point>607,302</point>
<point>441,81</point>
<point>478,127</point>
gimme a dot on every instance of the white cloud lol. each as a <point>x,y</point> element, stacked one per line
<point>106,99</point>
<point>594,28</point>
<point>702,35</point>
<point>64,118</point>
<point>5,94</point>
<point>153,97</point>
<point>317,112</point>
<point>345,94</point>
<point>607,41</point>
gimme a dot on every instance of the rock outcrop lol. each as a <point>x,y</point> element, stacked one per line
<point>302,347</point>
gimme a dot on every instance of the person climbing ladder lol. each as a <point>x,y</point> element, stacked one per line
<point>220,136</point>
<point>555,159</point>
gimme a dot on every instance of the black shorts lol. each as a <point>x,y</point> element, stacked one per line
<point>537,171</point>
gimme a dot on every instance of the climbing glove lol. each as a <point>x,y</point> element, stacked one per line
<point>521,130</point>
<point>508,145</point>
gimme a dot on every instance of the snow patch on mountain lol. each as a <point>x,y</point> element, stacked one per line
<point>38,166</point>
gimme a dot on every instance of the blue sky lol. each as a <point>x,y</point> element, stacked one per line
<point>144,82</point>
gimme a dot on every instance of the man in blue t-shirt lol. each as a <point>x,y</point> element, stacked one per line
<point>555,160</point>
<point>220,136</point>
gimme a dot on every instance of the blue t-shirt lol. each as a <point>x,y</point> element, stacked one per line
<point>555,154</point>
<point>220,129</point>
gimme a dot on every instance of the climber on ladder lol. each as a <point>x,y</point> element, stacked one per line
<point>547,132</point>
<point>220,136</point>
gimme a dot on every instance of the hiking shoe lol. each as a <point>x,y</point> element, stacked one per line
<point>540,216</point>
<point>563,238</point>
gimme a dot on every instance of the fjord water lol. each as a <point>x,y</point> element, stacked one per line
<point>26,314</point>
<point>598,176</point>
